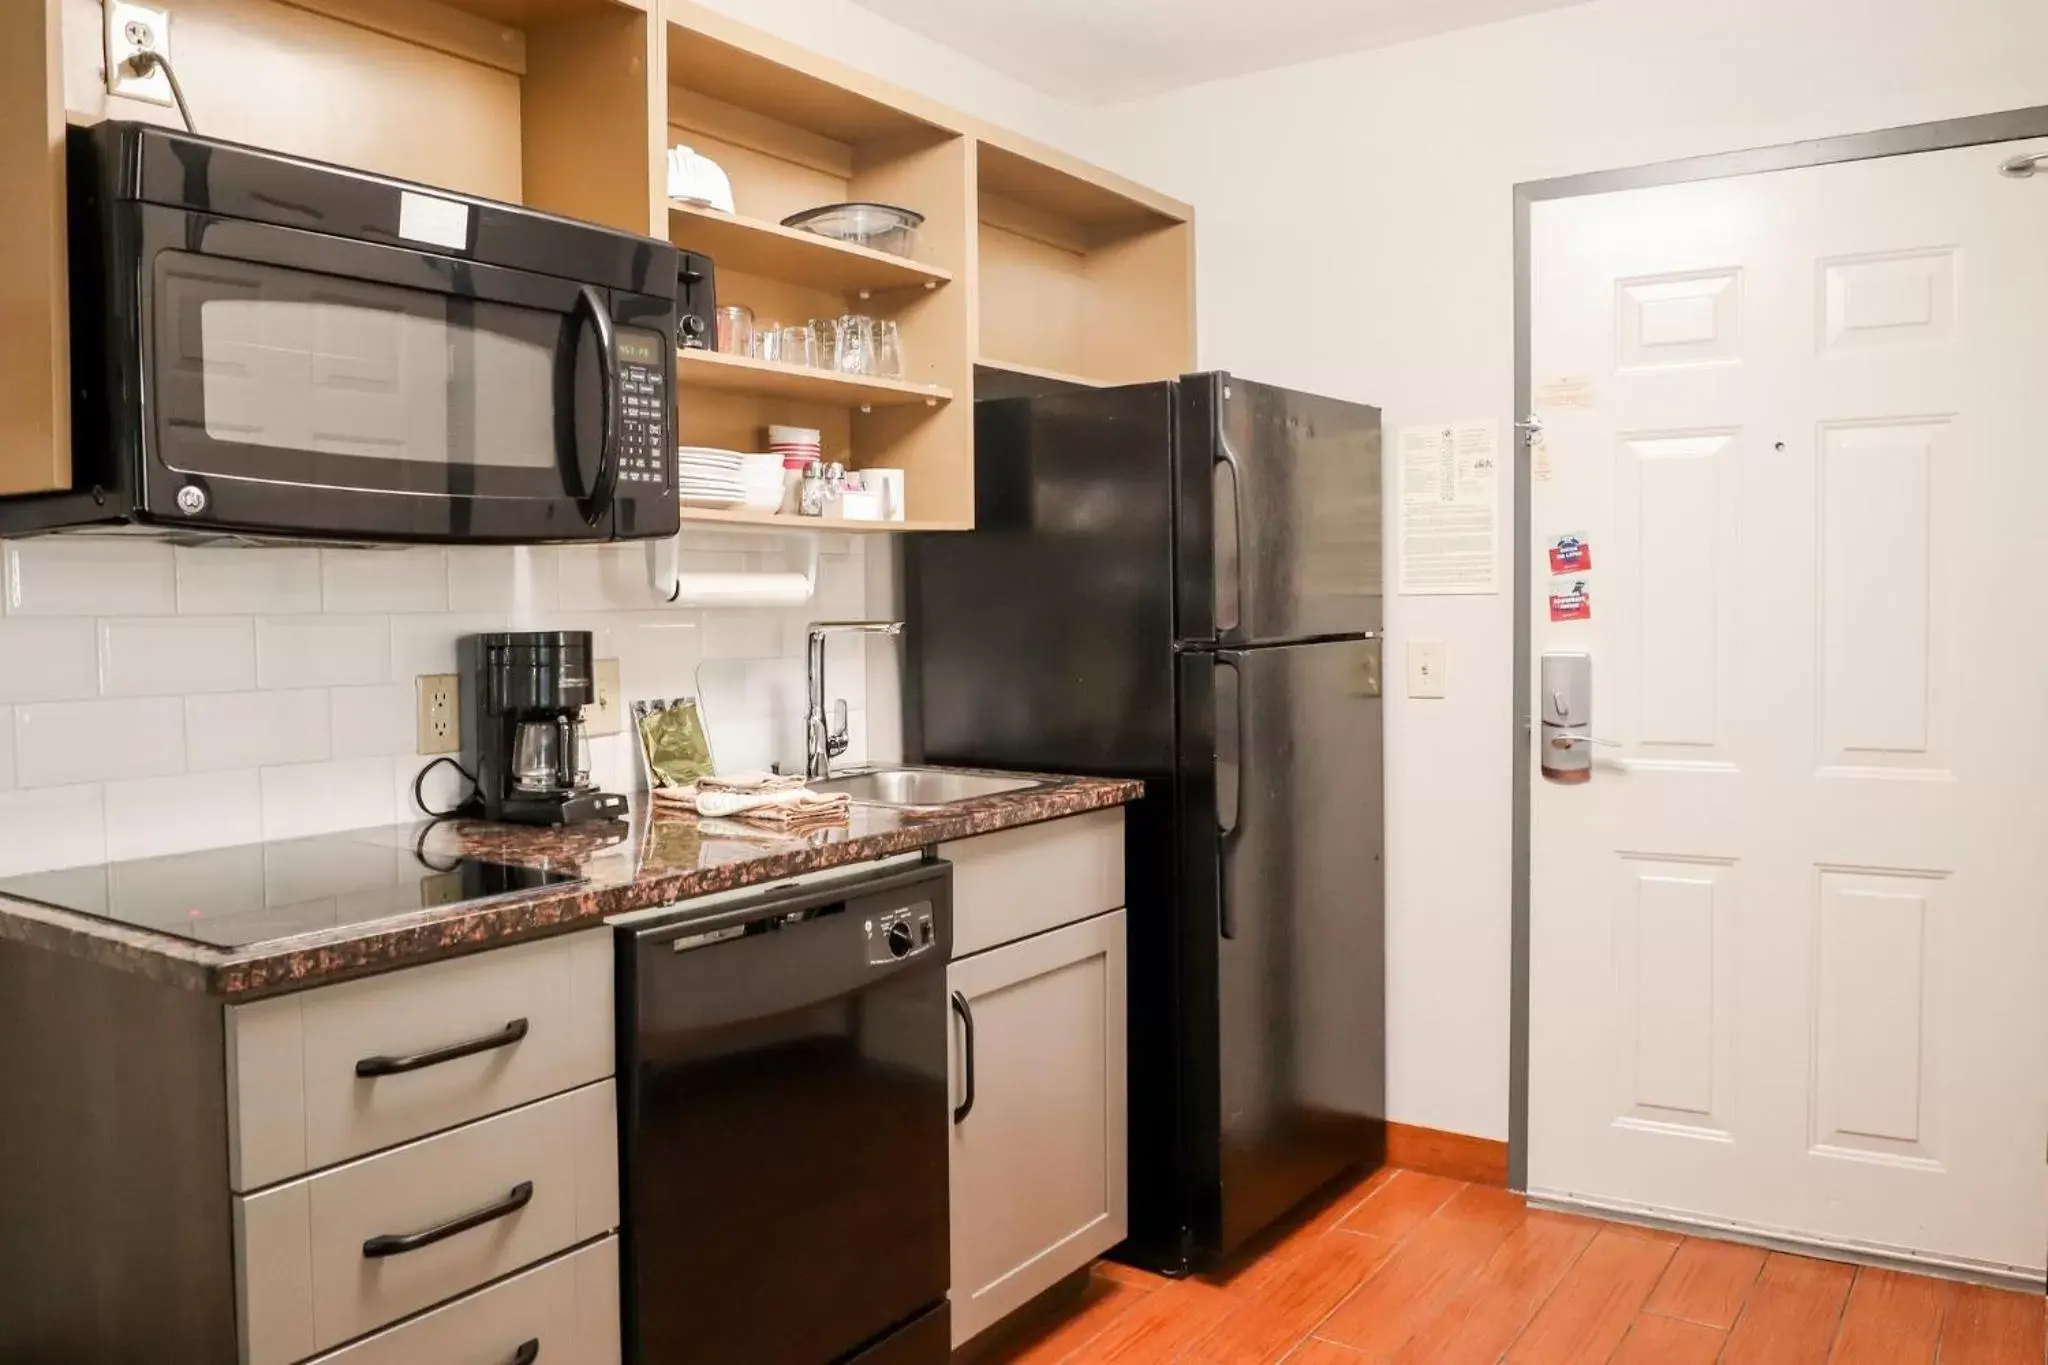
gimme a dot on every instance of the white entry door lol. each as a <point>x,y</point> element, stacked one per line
<point>1789,944</point>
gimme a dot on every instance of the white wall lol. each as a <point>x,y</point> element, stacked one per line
<point>1354,236</point>
<point>154,700</point>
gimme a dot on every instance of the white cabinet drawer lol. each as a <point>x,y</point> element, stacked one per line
<point>1024,881</point>
<point>306,1276</point>
<point>297,1102</point>
<point>563,1313</point>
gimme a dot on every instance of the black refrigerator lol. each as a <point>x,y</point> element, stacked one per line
<point>1182,582</point>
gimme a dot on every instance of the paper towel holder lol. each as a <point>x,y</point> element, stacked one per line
<point>792,587</point>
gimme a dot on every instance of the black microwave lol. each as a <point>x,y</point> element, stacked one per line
<point>269,347</point>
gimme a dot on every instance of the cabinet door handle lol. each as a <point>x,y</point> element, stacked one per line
<point>966,1013</point>
<point>397,1244</point>
<point>418,1061</point>
<point>528,1352</point>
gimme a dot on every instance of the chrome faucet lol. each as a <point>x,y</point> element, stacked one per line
<point>823,740</point>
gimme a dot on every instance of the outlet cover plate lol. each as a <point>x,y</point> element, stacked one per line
<point>605,715</point>
<point>1426,668</point>
<point>440,723</point>
<point>154,88</point>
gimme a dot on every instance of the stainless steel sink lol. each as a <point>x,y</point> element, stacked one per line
<point>923,788</point>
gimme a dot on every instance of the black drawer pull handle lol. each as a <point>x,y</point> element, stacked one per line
<point>527,1353</point>
<point>397,1244</point>
<point>966,1013</point>
<point>454,1052</point>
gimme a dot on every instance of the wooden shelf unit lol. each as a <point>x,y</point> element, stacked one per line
<point>754,246</point>
<point>784,521</point>
<point>1080,278</point>
<point>768,379</point>
<point>1029,260</point>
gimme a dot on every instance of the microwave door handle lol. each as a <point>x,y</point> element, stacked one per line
<point>597,504</point>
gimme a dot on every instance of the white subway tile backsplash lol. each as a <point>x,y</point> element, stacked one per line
<point>89,576</point>
<point>48,660</point>
<point>375,722</point>
<point>256,729</point>
<point>161,815</point>
<point>60,743</point>
<point>427,644</point>
<point>322,651</point>
<point>384,580</point>
<point>603,578</point>
<point>168,655</point>
<point>54,827</point>
<point>519,579</point>
<point>265,580</point>
<point>315,798</point>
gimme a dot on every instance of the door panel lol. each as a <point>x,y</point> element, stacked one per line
<point>1793,922</point>
<point>1038,1159</point>
<point>1280,513</point>
<point>1300,920</point>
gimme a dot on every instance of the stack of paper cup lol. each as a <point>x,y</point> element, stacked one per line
<point>799,449</point>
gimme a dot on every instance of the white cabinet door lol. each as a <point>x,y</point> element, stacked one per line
<point>1788,959</point>
<point>1038,1135</point>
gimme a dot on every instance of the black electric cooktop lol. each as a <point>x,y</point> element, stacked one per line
<point>257,893</point>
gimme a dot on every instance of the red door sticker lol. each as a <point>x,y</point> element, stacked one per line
<point>1570,600</point>
<point>1570,554</point>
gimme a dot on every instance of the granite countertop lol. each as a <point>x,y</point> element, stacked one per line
<point>654,858</point>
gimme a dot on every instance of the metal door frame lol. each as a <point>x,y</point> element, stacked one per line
<point>1944,135</point>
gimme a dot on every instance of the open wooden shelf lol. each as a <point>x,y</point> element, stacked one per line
<point>784,521</point>
<point>1039,372</point>
<point>756,246</point>
<point>766,379</point>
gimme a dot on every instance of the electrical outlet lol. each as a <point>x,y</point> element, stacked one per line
<point>440,713</point>
<point>132,29</point>
<point>604,716</point>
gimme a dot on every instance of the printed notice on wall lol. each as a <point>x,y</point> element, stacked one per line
<point>1450,509</point>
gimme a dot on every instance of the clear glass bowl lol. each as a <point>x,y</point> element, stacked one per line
<point>880,227</point>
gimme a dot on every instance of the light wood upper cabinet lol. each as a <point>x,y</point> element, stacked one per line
<point>1030,261</point>
<point>35,370</point>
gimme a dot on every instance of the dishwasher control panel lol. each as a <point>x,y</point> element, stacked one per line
<point>899,934</point>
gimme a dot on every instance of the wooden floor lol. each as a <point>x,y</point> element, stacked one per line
<point>1418,1270</point>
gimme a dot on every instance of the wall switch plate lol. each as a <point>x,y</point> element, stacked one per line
<point>440,713</point>
<point>132,29</point>
<point>605,715</point>
<point>1426,668</point>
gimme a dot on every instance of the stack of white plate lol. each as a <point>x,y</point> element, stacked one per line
<point>709,477</point>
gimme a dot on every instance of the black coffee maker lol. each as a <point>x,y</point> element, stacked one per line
<point>522,727</point>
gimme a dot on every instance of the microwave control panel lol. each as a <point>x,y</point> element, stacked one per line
<point>643,410</point>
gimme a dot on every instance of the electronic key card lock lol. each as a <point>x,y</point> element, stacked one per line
<point>1566,686</point>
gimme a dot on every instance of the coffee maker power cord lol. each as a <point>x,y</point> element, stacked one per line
<point>419,789</point>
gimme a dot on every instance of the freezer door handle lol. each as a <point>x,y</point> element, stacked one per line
<point>1229,519</point>
<point>1229,778</point>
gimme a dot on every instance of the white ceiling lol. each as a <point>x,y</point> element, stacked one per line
<point>1103,51</point>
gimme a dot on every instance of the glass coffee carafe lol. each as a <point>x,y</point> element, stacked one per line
<point>551,754</point>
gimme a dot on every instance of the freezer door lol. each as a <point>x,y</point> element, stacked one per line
<point>1295,858</point>
<point>1279,514</point>
<point>1044,638</point>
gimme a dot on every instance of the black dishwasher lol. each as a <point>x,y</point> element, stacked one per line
<point>784,1117</point>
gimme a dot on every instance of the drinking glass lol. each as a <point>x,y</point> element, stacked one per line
<point>825,342</point>
<point>736,329</point>
<point>796,346</point>
<point>768,340</point>
<point>888,350</point>
<point>857,344</point>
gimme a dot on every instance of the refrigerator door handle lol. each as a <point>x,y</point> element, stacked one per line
<point>1229,539</point>
<point>1229,781</point>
